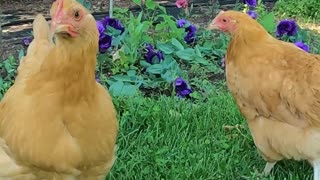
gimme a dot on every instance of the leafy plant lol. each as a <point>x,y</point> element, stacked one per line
<point>8,72</point>
<point>85,3</point>
<point>306,9</point>
<point>128,66</point>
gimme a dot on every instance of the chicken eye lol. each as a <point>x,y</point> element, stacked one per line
<point>224,20</point>
<point>76,15</point>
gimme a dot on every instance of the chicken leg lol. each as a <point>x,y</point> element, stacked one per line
<point>316,169</point>
<point>269,166</point>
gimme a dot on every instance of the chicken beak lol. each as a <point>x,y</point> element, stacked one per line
<point>61,29</point>
<point>65,30</point>
<point>59,25</point>
<point>212,26</point>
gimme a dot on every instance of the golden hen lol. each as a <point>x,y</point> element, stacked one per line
<point>276,86</point>
<point>56,121</point>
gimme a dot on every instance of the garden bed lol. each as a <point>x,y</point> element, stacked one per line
<point>162,136</point>
<point>18,16</point>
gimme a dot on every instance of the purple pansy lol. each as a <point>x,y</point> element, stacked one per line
<point>301,45</point>
<point>181,23</point>
<point>98,78</point>
<point>115,23</point>
<point>105,40</point>
<point>181,87</point>
<point>191,30</point>
<point>101,28</point>
<point>251,3</point>
<point>151,53</point>
<point>104,43</point>
<point>288,27</point>
<point>27,41</point>
<point>253,14</point>
<point>191,34</point>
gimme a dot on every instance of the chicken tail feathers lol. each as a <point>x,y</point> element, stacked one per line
<point>37,50</point>
<point>40,28</point>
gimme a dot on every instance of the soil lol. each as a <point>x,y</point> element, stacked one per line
<point>17,17</point>
<point>24,10</point>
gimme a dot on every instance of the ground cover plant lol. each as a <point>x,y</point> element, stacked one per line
<point>177,119</point>
<point>304,9</point>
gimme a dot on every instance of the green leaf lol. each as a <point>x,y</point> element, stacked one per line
<point>131,73</point>
<point>177,44</point>
<point>268,22</point>
<point>186,54</point>
<point>121,89</point>
<point>163,9</point>
<point>21,54</point>
<point>201,60</point>
<point>80,1</point>
<point>138,2</point>
<point>87,5</point>
<point>155,69</point>
<point>169,76</point>
<point>150,4</point>
<point>198,52</point>
<point>160,26</point>
<point>143,63</point>
<point>165,48</point>
<point>120,77</point>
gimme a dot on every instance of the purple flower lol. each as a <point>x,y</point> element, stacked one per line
<point>251,3</point>
<point>191,31</point>
<point>151,53</point>
<point>104,43</point>
<point>115,23</point>
<point>253,14</point>
<point>301,45</point>
<point>288,27</point>
<point>27,41</point>
<point>191,34</point>
<point>223,62</point>
<point>181,23</point>
<point>101,28</point>
<point>182,89</point>
<point>98,78</point>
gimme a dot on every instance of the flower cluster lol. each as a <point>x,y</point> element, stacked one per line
<point>27,41</point>
<point>105,40</point>
<point>301,45</point>
<point>290,28</point>
<point>253,14</point>
<point>151,53</point>
<point>190,29</point>
<point>182,3</point>
<point>251,4</point>
<point>182,88</point>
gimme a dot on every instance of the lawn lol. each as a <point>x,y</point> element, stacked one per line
<point>170,138</point>
<point>168,133</point>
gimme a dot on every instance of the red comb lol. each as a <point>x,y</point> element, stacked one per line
<point>59,8</point>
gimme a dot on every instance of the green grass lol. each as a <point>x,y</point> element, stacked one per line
<point>172,138</point>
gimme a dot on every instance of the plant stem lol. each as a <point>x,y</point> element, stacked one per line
<point>110,8</point>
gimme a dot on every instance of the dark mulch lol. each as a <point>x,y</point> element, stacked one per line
<point>25,10</point>
<point>22,10</point>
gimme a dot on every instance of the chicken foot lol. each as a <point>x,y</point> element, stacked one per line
<point>269,166</point>
<point>316,169</point>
